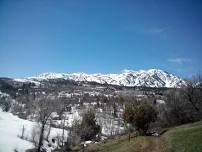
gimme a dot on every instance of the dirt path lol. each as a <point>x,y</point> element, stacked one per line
<point>159,144</point>
<point>154,144</point>
<point>137,144</point>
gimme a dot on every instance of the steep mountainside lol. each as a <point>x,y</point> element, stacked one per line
<point>147,78</point>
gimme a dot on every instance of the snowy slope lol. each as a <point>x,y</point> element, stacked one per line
<point>11,128</point>
<point>148,78</point>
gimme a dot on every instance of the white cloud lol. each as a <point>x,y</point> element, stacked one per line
<point>157,30</point>
<point>180,60</point>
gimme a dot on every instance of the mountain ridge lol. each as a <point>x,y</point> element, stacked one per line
<point>148,78</point>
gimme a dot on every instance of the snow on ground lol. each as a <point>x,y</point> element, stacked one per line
<point>28,80</point>
<point>3,94</point>
<point>11,128</point>
<point>160,101</point>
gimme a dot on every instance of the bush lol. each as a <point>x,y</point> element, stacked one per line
<point>140,115</point>
<point>89,128</point>
<point>85,130</point>
<point>5,105</point>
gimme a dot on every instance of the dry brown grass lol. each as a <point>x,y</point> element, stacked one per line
<point>137,144</point>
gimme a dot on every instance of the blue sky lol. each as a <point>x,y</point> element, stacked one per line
<point>104,36</point>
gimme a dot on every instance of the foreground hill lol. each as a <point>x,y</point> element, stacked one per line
<point>147,78</point>
<point>185,138</point>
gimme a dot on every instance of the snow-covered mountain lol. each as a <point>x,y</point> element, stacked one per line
<point>148,78</point>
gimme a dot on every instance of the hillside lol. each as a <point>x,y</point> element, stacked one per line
<point>185,138</point>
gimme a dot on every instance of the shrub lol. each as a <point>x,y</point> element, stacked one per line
<point>85,130</point>
<point>140,115</point>
<point>5,105</point>
<point>89,128</point>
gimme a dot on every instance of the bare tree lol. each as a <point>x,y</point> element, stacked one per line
<point>193,92</point>
<point>63,128</point>
<point>189,94</point>
<point>183,105</point>
<point>35,135</point>
<point>48,131</point>
<point>44,108</point>
<point>23,132</point>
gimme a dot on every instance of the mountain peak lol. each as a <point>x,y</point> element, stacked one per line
<point>127,71</point>
<point>148,78</point>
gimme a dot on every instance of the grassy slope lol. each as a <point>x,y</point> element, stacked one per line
<point>186,138</point>
<point>137,144</point>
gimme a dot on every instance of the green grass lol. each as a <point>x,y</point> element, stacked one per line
<point>186,138</point>
<point>137,144</point>
<point>112,145</point>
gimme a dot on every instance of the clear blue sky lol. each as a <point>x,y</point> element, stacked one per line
<point>105,36</point>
